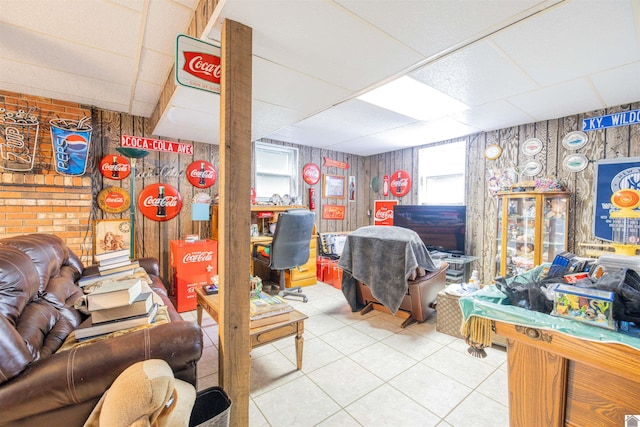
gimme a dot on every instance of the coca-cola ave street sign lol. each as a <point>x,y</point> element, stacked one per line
<point>141,143</point>
<point>197,64</point>
<point>160,202</point>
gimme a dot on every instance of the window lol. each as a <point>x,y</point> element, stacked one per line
<point>276,169</point>
<point>441,174</point>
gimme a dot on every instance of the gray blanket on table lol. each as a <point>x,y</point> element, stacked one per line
<point>383,258</point>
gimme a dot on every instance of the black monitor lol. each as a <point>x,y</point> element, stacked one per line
<point>441,228</point>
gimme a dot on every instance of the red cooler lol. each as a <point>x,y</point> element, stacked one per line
<point>192,264</point>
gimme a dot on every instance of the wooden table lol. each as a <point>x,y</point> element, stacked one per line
<point>560,380</point>
<point>264,334</point>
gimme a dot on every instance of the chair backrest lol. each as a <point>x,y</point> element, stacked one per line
<point>290,246</point>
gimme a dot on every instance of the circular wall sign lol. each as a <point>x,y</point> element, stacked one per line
<point>201,174</point>
<point>114,200</point>
<point>116,167</point>
<point>160,202</point>
<point>311,173</point>
<point>400,183</point>
<point>493,151</point>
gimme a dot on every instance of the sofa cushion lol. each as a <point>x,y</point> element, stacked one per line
<point>47,251</point>
<point>19,282</point>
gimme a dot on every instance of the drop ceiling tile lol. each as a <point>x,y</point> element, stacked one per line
<point>180,123</point>
<point>142,109</point>
<point>195,99</point>
<point>155,66</point>
<point>278,85</point>
<point>67,86</point>
<point>574,40</point>
<point>165,21</point>
<point>565,99</point>
<point>362,147</point>
<point>320,39</point>
<point>620,85</point>
<point>433,26</point>
<point>494,115</point>
<point>268,118</point>
<point>475,75</point>
<point>100,24</point>
<point>45,53</point>
<point>146,92</point>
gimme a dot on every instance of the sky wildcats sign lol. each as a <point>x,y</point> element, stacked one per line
<point>623,118</point>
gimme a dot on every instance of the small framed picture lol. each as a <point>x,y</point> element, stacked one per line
<point>333,186</point>
<point>111,235</point>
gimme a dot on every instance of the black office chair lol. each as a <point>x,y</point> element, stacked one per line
<point>289,247</point>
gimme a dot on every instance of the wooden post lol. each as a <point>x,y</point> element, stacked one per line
<point>235,217</point>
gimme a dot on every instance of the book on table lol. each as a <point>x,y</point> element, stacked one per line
<point>124,263</point>
<point>270,320</point>
<point>115,293</point>
<point>127,267</point>
<point>141,305</point>
<point>265,303</point>
<point>91,279</point>
<point>115,260</point>
<point>112,254</point>
<point>91,329</point>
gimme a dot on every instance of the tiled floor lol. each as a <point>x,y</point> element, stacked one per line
<point>366,371</point>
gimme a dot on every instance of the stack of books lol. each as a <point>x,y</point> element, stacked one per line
<point>115,262</point>
<point>117,305</point>
<point>268,309</point>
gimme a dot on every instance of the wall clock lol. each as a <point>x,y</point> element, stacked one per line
<point>493,151</point>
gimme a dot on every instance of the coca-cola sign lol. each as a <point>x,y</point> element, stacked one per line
<point>197,256</point>
<point>160,202</point>
<point>400,183</point>
<point>114,166</point>
<point>201,174</point>
<point>383,212</point>
<point>114,200</point>
<point>197,64</point>
<point>311,173</point>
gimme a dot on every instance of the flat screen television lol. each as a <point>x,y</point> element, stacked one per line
<point>441,228</point>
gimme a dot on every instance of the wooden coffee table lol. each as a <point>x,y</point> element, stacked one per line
<point>264,334</point>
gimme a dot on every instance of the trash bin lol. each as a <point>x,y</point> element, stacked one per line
<point>211,408</point>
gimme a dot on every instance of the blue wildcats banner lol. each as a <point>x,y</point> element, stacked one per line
<point>623,118</point>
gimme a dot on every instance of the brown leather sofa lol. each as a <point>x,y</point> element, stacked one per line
<point>42,387</point>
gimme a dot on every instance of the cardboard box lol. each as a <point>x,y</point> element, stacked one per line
<point>592,306</point>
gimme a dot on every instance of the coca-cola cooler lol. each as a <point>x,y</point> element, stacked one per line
<point>192,264</point>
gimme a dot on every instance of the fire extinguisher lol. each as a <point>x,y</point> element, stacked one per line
<point>312,201</point>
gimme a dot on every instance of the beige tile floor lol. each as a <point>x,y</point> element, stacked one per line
<point>366,371</point>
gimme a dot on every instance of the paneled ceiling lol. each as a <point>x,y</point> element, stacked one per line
<point>510,61</point>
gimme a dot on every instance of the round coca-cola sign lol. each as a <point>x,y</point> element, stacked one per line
<point>311,173</point>
<point>160,202</point>
<point>116,167</point>
<point>400,183</point>
<point>201,174</point>
<point>114,200</point>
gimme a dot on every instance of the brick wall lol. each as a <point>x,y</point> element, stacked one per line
<point>40,200</point>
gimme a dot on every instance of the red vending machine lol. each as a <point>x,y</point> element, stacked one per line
<point>192,264</point>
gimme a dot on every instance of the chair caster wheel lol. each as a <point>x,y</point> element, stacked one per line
<point>305,299</point>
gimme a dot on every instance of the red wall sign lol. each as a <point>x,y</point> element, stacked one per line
<point>116,167</point>
<point>400,183</point>
<point>114,200</point>
<point>311,173</point>
<point>160,202</point>
<point>201,174</point>
<point>333,212</point>
<point>383,212</point>
<point>155,145</point>
<point>330,162</point>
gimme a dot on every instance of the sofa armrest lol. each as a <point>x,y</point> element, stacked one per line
<point>84,373</point>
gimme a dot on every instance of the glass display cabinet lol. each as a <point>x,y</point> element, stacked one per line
<point>532,229</point>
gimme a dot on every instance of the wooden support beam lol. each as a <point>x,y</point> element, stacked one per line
<point>235,217</point>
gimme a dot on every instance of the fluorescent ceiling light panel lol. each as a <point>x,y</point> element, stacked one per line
<point>412,98</point>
